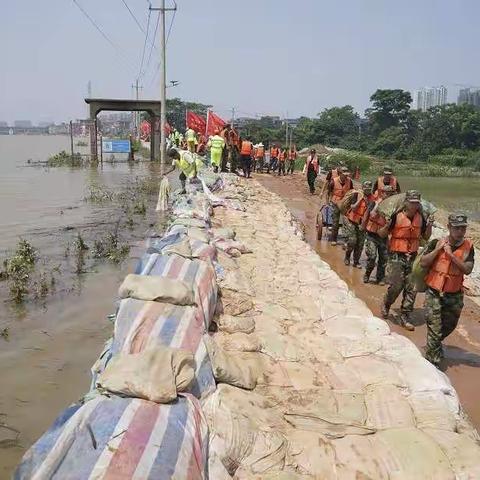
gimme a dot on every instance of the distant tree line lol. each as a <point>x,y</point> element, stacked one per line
<point>448,135</point>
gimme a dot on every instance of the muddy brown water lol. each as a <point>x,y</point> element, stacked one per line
<point>462,362</point>
<point>45,363</point>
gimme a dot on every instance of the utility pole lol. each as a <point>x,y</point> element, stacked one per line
<point>163,82</point>
<point>233,116</point>
<point>136,122</point>
<point>286,131</point>
<point>71,139</point>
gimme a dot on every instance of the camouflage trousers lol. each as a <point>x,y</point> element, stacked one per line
<point>376,247</point>
<point>442,313</point>
<point>335,222</point>
<point>355,240</point>
<point>399,267</point>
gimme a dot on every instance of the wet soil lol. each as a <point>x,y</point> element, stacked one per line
<point>462,347</point>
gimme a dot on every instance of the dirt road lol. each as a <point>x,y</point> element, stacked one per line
<point>462,352</point>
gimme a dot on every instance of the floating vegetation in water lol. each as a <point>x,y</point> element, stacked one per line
<point>5,333</point>
<point>64,159</point>
<point>18,268</point>
<point>99,194</point>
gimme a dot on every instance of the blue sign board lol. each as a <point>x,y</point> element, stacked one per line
<point>116,146</point>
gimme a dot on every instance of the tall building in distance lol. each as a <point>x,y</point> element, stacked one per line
<point>429,97</point>
<point>470,96</point>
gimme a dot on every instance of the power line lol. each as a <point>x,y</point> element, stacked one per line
<point>153,43</point>
<point>99,30</point>
<point>134,17</point>
<point>171,22</point>
<point>145,44</point>
<point>104,35</point>
<point>159,64</point>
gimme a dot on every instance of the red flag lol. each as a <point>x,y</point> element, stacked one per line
<point>196,122</point>
<point>145,130</point>
<point>214,123</point>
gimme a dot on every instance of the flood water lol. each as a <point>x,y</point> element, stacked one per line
<point>51,345</point>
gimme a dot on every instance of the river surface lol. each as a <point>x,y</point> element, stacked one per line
<point>51,344</point>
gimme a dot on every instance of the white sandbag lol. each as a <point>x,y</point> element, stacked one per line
<point>375,370</point>
<point>231,324</point>
<point>155,288</point>
<point>387,408</point>
<point>190,222</point>
<point>332,426</point>
<point>223,233</point>
<point>432,410</point>
<point>163,195</point>
<point>182,248</point>
<point>234,303</point>
<point>462,452</point>
<point>155,374</point>
<point>237,281</point>
<point>230,368</point>
<point>198,234</point>
<point>242,342</point>
<point>244,431</point>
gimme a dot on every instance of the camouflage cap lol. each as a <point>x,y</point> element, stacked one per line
<point>457,220</point>
<point>367,185</point>
<point>413,196</point>
<point>387,170</point>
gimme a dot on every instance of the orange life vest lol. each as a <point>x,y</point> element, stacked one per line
<point>260,152</point>
<point>340,190</point>
<point>375,222</point>
<point>381,186</point>
<point>314,162</point>
<point>444,275</point>
<point>292,155</point>
<point>274,152</point>
<point>405,235</point>
<point>247,148</point>
<point>282,156</point>
<point>356,216</point>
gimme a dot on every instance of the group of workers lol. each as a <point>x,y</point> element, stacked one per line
<point>392,245</point>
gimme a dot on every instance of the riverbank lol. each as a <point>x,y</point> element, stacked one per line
<point>462,347</point>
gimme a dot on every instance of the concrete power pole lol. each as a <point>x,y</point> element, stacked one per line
<point>163,82</point>
<point>233,116</point>
<point>137,114</point>
<point>286,131</point>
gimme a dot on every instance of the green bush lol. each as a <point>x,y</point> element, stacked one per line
<point>350,159</point>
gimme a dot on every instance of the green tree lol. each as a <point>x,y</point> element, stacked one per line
<point>389,109</point>
<point>336,124</point>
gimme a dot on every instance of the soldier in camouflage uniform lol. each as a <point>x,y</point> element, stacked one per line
<point>353,224</point>
<point>375,246</point>
<point>447,261</point>
<point>404,229</point>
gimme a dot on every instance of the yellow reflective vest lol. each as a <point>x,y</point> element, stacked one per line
<point>216,142</point>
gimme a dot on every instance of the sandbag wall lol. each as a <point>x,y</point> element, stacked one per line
<point>121,433</point>
<point>327,390</point>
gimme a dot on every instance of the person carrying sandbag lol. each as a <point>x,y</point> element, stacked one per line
<point>188,164</point>
<point>404,229</point>
<point>353,221</point>
<point>446,261</point>
<point>387,179</point>
<point>375,246</point>
<point>337,188</point>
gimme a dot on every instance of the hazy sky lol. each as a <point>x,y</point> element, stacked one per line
<point>261,56</point>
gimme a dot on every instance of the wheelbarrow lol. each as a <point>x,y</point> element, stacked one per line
<point>324,219</point>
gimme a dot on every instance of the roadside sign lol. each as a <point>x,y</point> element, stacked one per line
<point>116,146</point>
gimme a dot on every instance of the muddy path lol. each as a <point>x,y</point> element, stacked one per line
<point>462,352</point>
